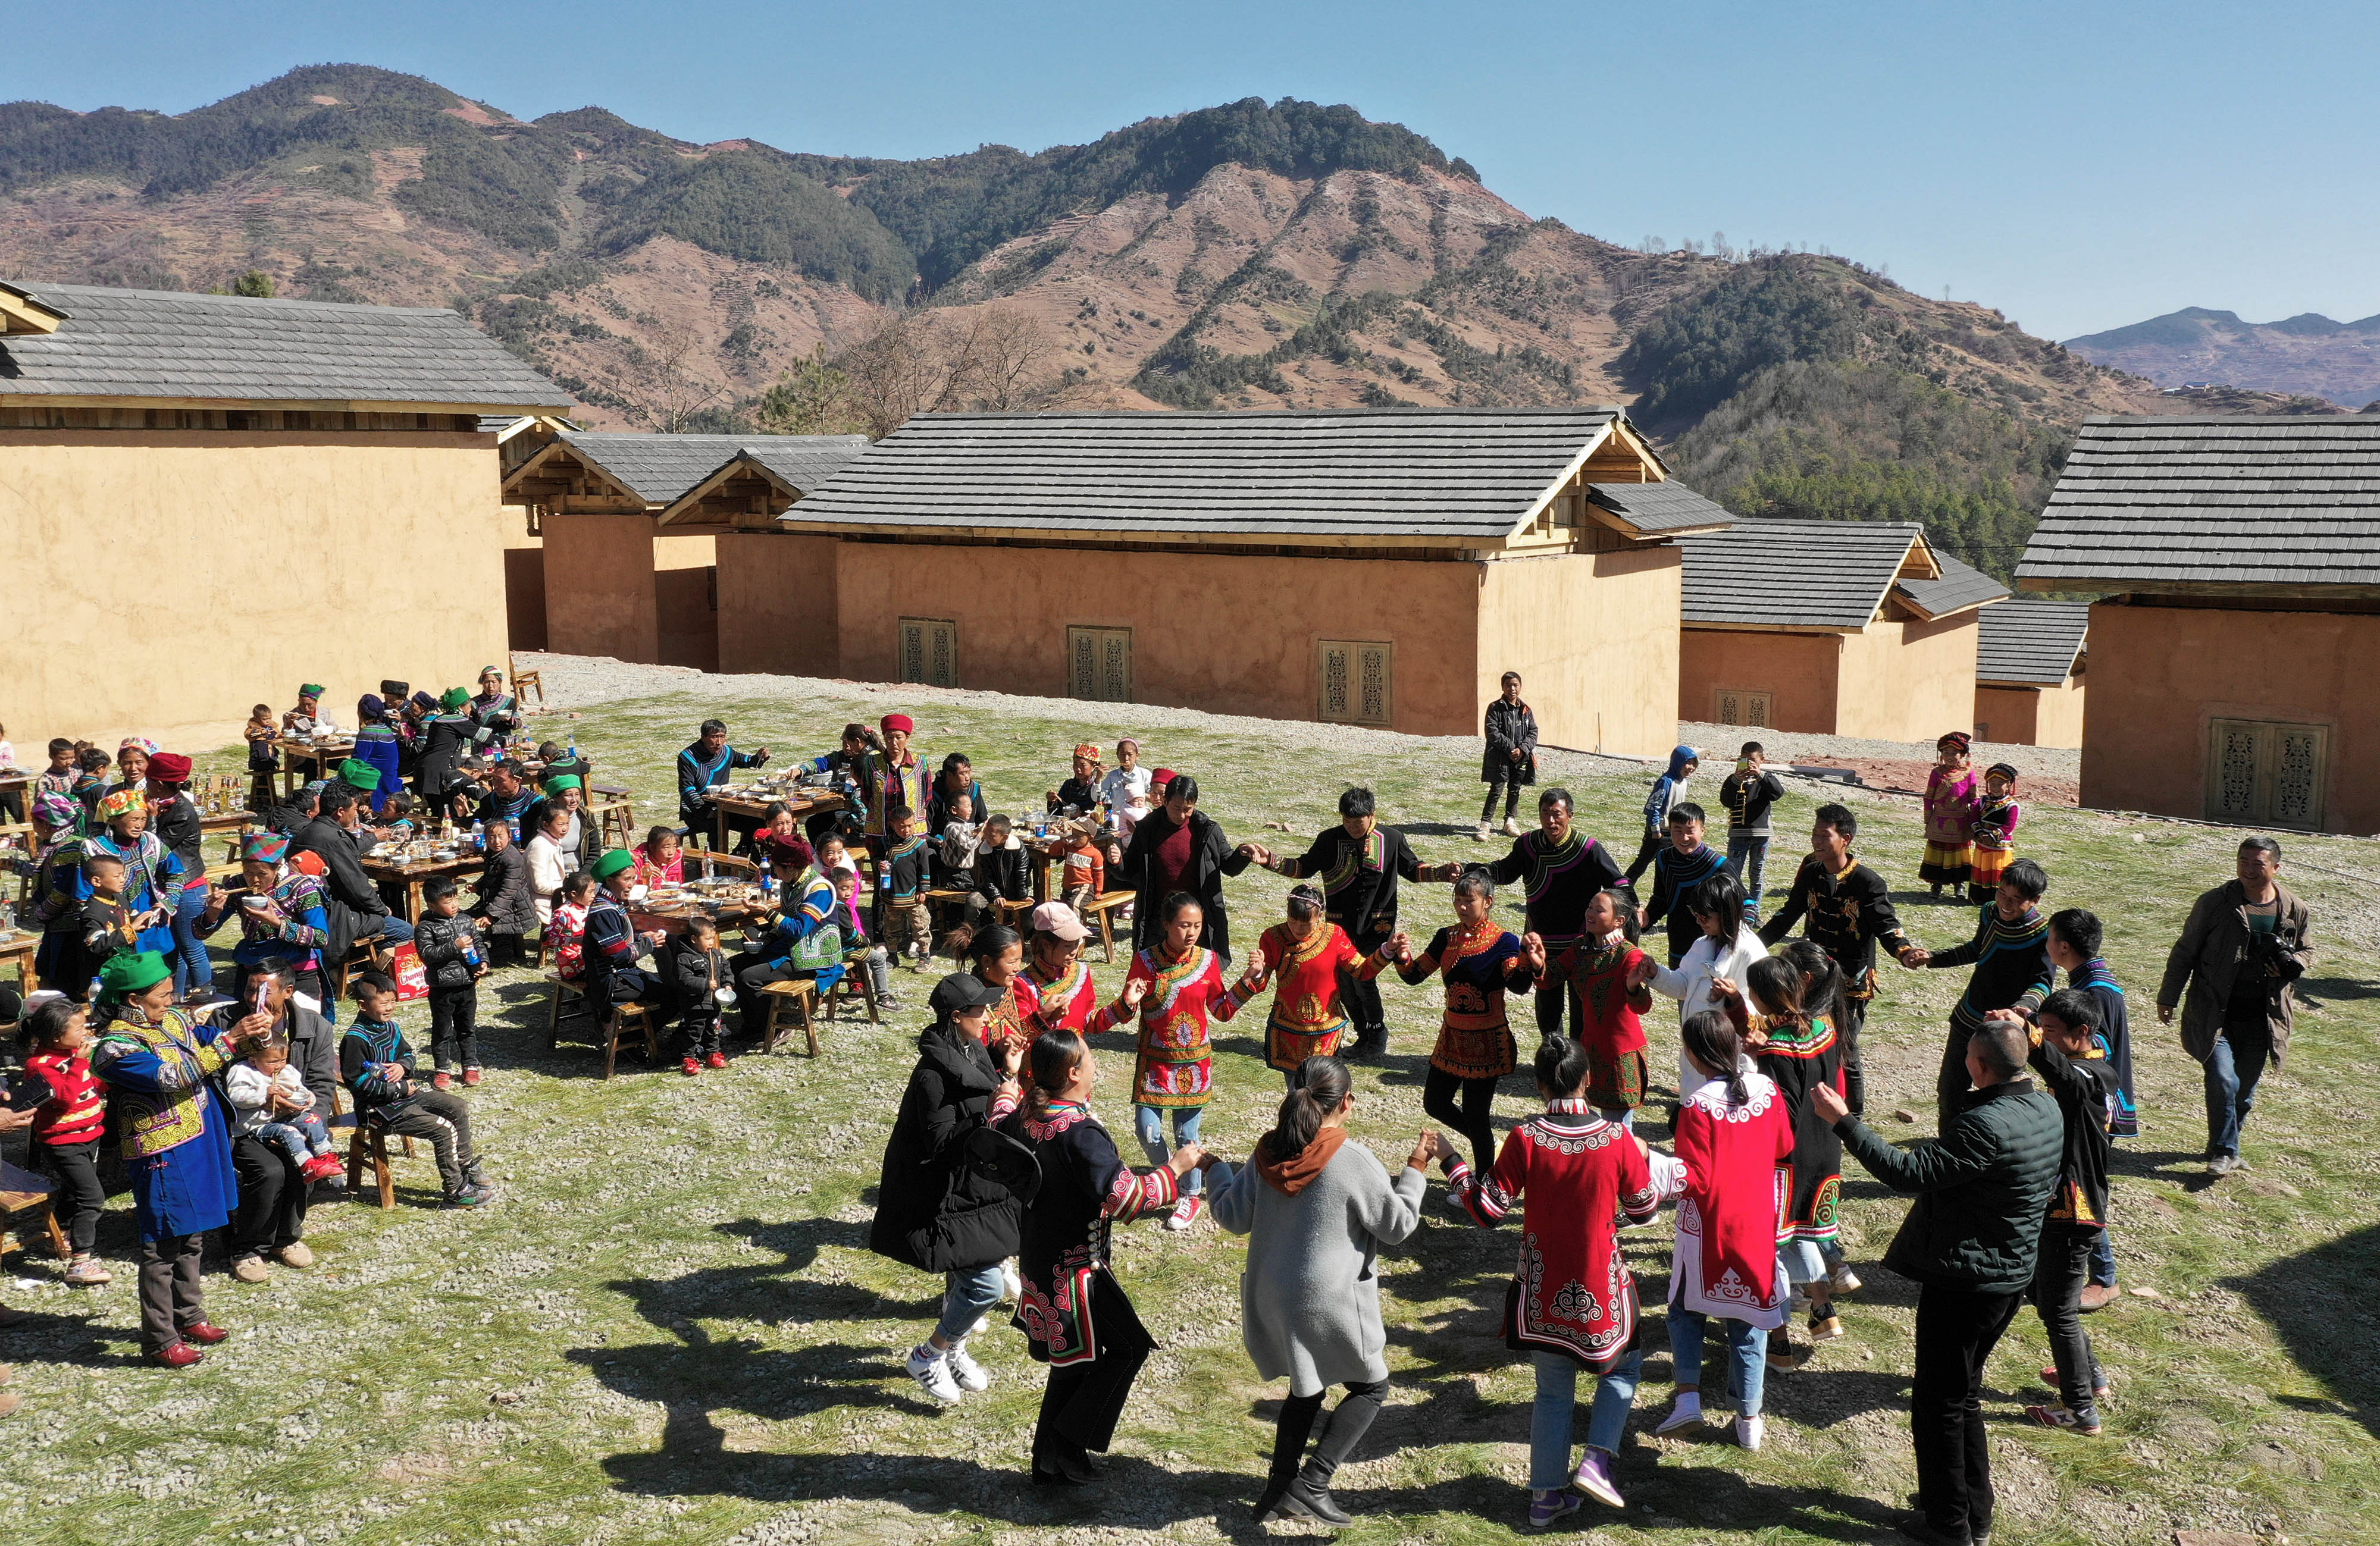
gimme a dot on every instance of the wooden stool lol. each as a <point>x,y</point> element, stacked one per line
<point>24,1196</point>
<point>1102,910</point>
<point>1007,911</point>
<point>853,989</point>
<point>562,991</point>
<point>523,683</point>
<point>797,997</point>
<point>617,811</point>
<point>623,1017</point>
<point>937,902</point>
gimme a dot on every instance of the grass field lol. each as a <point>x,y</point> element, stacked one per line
<point>669,1327</point>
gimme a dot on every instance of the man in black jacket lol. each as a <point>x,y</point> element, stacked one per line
<point>934,1211</point>
<point>1849,912</point>
<point>1358,863</point>
<point>1179,848</point>
<point>333,836</point>
<point>270,1218</point>
<point>1971,1242</point>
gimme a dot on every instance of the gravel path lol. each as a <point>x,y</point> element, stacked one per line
<point>1717,741</point>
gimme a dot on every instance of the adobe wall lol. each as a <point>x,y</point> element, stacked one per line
<point>778,609</point>
<point>2160,674</point>
<point>165,581</point>
<point>686,607</point>
<point>2031,716</point>
<point>1909,680</point>
<point>599,587</point>
<point>1226,634</point>
<point>1594,637</point>
<point>1800,669</point>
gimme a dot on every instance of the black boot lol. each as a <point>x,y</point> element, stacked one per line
<point>1310,1496</point>
<point>1268,1505</point>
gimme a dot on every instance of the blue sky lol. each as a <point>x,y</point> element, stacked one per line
<point>2079,166</point>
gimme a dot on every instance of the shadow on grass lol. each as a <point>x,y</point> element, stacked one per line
<point>2314,1302</point>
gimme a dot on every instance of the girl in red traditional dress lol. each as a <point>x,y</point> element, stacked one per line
<point>1608,979</point>
<point>1055,990</point>
<point>1307,953</point>
<point>1573,1302</point>
<point>1174,986</point>
<point>1074,1314</point>
<point>1734,1136</point>
<point>1479,962</point>
<point>997,956</point>
<point>1952,803</point>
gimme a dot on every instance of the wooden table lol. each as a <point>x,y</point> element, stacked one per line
<point>320,759</point>
<point>803,803</point>
<point>16,781</point>
<point>17,950</point>
<point>413,873</point>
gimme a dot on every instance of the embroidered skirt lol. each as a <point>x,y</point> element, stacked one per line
<point>1288,1046</point>
<point>1989,865</point>
<point>1171,1084</point>
<point>1615,1083</point>
<point>1946,865</point>
<point>1474,1051</point>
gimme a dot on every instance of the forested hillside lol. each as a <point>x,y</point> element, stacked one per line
<point>1252,255</point>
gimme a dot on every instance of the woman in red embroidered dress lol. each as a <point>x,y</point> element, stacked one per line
<point>1307,953</point>
<point>1175,985</point>
<point>1573,1302</point>
<point>1074,1314</point>
<point>1608,979</point>
<point>1733,1138</point>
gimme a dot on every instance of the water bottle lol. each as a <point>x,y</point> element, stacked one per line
<point>467,942</point>
<point>479,835</point>
<point>765,883</point>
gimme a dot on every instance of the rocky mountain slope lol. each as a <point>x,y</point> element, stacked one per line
<point>1247,256</point>
<point>2308,353</point>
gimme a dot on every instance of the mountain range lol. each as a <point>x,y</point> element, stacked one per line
<point>1246,256</point>
<point>2307,354</point>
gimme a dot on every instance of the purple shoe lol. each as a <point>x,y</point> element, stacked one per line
<point>1547,1507</point>
<point>1594,1478</point>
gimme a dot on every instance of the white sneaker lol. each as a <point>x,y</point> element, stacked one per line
<point>1685,1412</point>
<point>1484,833</point>
<point>1010,1285</point>
<point>1750,1430</point>
<point>1842,1279</point>
<point>1512,827</point>
<point>967,1371</point>
<point>1185,1214</point>
<point>932,1372</point>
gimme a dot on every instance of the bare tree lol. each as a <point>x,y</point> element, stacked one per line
<point>660,385</point>
<point>996,359</point>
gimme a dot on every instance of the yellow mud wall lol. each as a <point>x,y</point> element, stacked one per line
<point>1908,680</point>
<point>1594,637</point>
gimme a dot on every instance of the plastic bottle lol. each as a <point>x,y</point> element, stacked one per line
<point>479,835</point>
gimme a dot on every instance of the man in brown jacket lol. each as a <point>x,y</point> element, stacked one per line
<point>2240,958</point>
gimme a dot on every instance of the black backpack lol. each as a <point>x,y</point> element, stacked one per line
<point>1004,1160</point>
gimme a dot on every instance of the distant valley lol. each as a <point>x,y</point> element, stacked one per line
<point>2308,355</point>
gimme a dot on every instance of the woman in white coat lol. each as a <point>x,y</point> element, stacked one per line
<point>1725,952</point>
<point>1316,1210</point>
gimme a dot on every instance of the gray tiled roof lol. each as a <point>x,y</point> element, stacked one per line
<point>804,460</point>
<point>1961,586</point>
<point>1794,574</point>
<point>2277,502</point>
<point>2031,641</point>
<point>1448,473</point>
<point>1657,507</point>
<point>166,345</point>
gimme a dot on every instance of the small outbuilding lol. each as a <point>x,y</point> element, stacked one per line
<point>2029,659</point>
<point>206,500</point>
<point>1381,567</point>
<point>2230,667</point>
<point>629,524</point>
<point>1830,627</point>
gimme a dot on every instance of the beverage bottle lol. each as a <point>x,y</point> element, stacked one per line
<point>479,835</point>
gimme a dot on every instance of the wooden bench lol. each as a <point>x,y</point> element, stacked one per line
<point>24,1197</point>
<point>1103,909</point>
<point>853,989</point>
<point>367,1147</point>
<point>797,997</point>
<point>615,813</point>
<point>624,1018</point>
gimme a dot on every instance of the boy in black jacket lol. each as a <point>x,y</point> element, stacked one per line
<point>698,971</point>
<point>449,945</point>
<point>901,882</point>
<point>1748,793</point>
<point>376,1065</point>
<point>2072,1068</point>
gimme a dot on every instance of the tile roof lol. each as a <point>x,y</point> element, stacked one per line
<point>805,462</point>
<point>658,469</point>
<point>1654,508</point>
<point>169,347</point>
<point>2031,641</point>
<point>1780,574</point>
<point>1961,586</point>
<point>1448,473</point>
<point>2269,501</point>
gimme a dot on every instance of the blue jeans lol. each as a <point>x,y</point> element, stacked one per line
<point>192,969</point>
<point>1747,1350</point>
<point>387,926</point>
<point>1148,1122</point>
<point>1625,1118</point>
<point>2103,1262</point>
<point>967,1293</point>
<point>1550,1419</point>
<point>1747,861</point>
<point>2233,1071</point>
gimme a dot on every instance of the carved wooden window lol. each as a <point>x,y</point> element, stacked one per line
<point>1099,664</point>
<point>1357,682</point>
<point>1738,706</point>
<point>930,651</point>
<point>2262,773</point>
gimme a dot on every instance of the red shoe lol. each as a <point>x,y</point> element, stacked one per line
<point>441,1080</point>
<point>181,1355</point>
<point>205,1332</point>
<point>719,1059</point>
<point>321,1166</point>
<point>691,1067</point>
<point>471,1076</point>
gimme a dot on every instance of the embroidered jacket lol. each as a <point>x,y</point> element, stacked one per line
<point>1475,1036</point>
<point>1849,912</point>
<point>1086,1190</point>
<point>1732,1186</point>
<point>1951,803</point>
<point>1569,1172</point>
<point>158,1077</point>
<point>1359,876</point>
<point>1067,1001</point>
<point>698,774</point>
<point>1307,1019</point>
<point>1559,879</point>
<point>1799,1057</point>
<point>2097,978</point>
<point>1174,1065</point>
<point>75,1111</point>
<point>2012,962</point>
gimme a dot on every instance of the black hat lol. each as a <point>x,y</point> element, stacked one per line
<point>961,991</point>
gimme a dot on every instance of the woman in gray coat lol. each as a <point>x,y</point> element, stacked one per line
<point>1316,1210</point>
